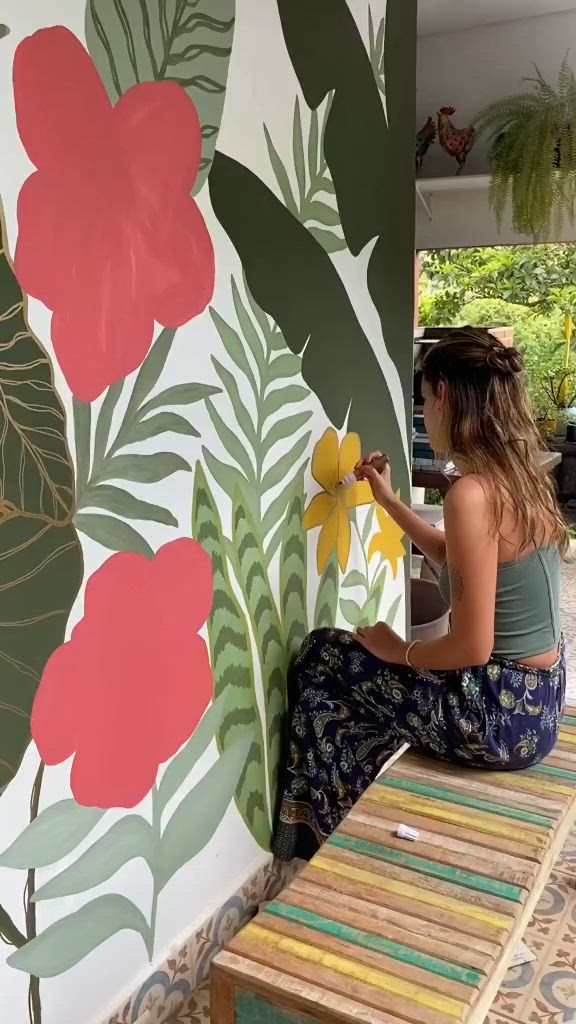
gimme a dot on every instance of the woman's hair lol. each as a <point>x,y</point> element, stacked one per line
<point>489,423</point>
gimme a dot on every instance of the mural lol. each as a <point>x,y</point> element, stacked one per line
<point>142,698</point>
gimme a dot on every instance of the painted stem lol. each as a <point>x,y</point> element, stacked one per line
<point>34,1003</point>
<point>156,839</point>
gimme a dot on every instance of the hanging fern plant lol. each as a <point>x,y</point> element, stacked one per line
<point>532,153</point>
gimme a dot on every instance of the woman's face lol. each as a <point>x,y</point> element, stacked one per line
<point>435,415</point>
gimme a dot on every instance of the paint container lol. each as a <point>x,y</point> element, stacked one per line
<point>430,615</point>
<point>353,478</point>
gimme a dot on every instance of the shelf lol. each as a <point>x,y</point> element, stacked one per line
<point>457,183</point>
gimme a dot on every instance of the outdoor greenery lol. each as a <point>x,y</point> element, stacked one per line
<point>530,288</point>
<point>533,152</point>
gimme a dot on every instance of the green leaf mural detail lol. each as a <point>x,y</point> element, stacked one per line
<point>232,667</point>
<point>69,941</point>
<point>184,41</point>
<point>327,598</point>
<point>180,766</point>
<point>293,572</point>
<point>313,205</point>
<point>253,578</point>
<point>41,558</point>
<point>127,839</point>
<point>376,51</point>
<point>257,470</point>
<point>106,459</point>
<point>374,178</point>
<point>282,261</point>
<point>52,835</point>
<point>197,817</point>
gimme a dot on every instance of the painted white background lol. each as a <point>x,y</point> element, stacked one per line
<point>261,87</point>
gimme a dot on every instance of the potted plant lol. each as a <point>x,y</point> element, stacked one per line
<point>560,389</point>
<point>532,152</point>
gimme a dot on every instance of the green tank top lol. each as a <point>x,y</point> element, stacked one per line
<point>527,615</point>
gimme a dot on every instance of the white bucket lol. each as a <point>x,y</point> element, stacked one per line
<point>430,613</point>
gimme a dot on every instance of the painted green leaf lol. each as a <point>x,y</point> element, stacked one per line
<point>276,509</point>
<point>124,504</point>
<point>41,559</point>
<point>286,365</point>
<point>234,347</point>
<point>127,839</point>
<point>70,940</point>
<point>232,668</point>
<point>327,597</point>
<point>284,428</point>
<point>143,469</point>
<point>112,533</point>
<point>241,413</point>
<point>82,415</point>
<point>281,260</point>
<point>54,834</point>
<point>162,423</point>
<point>372,604</point>
<point>281,397</point>
<point>298,152</point>
<point>263,613</point>
<point>228,478</point>
<point>179,394</point>
<point>368,523</point>
<point>351,611</point>
<point>150,372</point>
<point>293,572</point>
<point>196,819</point>
<point>180,766</point>
<point>327,239</point>
<point>185,41</point>
<point>249,332</point>
<point>354,579</point>
<point>393,610</point>
<point>374,179</point>
<point>281,175</point>
<point>231,442</point>
<point>286,463</point>
<point>323,214</point>
<point>104,422</point>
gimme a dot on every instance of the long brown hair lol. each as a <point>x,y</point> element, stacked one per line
<point>489,423</point>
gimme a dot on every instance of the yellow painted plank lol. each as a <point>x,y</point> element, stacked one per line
<point>352,969</point>
<point>502,922</point>
<point>479,822</point>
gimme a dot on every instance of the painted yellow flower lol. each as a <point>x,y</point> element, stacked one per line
<point>388,542</point>
<point>329,509</point>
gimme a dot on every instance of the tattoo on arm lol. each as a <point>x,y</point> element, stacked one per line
<point>456,583</point>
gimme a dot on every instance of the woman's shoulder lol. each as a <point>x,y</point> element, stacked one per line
<point>469,493</point>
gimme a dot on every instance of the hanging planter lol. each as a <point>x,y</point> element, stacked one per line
<point>532,153</point>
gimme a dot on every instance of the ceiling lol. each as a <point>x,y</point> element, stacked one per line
<point>438,16</point>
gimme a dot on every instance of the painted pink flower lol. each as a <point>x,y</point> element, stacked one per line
<point>109,236</point>
<point>133,681</point>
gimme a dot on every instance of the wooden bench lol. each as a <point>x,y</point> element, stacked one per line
<point>379,930</point>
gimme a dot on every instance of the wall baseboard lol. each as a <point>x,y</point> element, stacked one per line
<point>170,986</point>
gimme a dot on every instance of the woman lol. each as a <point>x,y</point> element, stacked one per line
<point>490,694</point>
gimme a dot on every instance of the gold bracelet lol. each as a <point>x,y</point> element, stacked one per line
<point>407,655</point>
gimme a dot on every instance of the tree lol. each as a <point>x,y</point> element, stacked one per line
<point>541,278</point>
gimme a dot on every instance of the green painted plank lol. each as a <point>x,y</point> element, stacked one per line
<point>558,773</point>
<point>459,876</point>
<point>251,1009</point>
<point>366,940</point>
<point>569,720</point>
<point>448,797</point>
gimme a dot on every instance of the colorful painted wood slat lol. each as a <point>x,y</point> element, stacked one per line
<point>378,931</point>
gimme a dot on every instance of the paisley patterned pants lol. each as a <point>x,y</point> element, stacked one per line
<point>350,712</point>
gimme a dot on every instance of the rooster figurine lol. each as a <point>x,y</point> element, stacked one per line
<point>457,142</point>
<point>424,139</point>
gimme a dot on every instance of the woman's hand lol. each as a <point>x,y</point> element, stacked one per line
<point>383,642</point>
<point>380,483</point>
